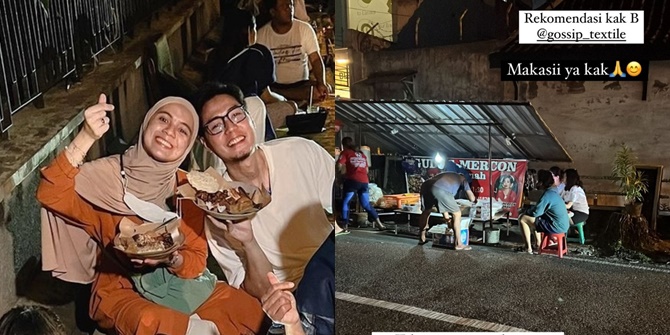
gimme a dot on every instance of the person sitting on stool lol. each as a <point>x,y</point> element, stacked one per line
<point>575,197</point>
<point>548,216</point>
<point>440,191</point>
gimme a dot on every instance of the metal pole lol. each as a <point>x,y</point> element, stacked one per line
<point>360,136</point>
<point>490,188</point>
<point>472,124</point>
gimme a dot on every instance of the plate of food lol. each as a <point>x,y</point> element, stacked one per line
<point>149,240</point>
<point>222,199</point>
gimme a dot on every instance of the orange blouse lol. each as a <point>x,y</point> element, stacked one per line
<point>114,303</point>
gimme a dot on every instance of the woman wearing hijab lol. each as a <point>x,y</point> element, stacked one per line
<point>94,197</point>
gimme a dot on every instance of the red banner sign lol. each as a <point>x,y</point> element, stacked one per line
<point>505,184</point>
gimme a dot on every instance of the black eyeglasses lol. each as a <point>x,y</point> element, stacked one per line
<point>236,114</point>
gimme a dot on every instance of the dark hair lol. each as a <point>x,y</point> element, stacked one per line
<point>572,179</point>
<point>556,171</point>
<point>211,89</point>
<point>270,4</point>
<point>501,180</point>
<point>31,320</point>
<point>236,31</point>
<point>545,179</point>
<point>348,142</point>
<point>507,176</point>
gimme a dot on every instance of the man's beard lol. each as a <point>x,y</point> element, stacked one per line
<point>240,158</point>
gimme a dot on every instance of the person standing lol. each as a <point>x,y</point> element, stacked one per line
<point>353,166</point>
<point>440,191</point>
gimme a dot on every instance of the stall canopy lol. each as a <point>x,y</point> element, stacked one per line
<point>458,129</point>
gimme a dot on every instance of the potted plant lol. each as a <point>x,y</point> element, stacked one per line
<point>631,182</point>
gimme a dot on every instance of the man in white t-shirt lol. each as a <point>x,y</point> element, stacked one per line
<point>295,49</point>
<point>292,235</point>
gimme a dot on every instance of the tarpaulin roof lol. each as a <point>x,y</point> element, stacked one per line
<point>458,129</point>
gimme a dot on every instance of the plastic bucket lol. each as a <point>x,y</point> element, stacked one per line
<point>491,236</point>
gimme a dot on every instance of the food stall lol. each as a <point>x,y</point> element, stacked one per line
<point>494,139</point>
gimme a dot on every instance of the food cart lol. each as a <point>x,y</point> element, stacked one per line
<point>489,135</point>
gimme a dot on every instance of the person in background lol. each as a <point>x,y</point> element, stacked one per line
<point>440,191</point>
<point>295,49</point>
<point>559,178</point>
<point>575,197</point>
<point>31,320</point>
<point>353,167</point>
<point>292,236</point>
<point>252,69</point>
<point>257,7</point>
<point>547,216</point>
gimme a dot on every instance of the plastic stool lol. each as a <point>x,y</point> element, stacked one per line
<point>580,229</point>
<point>561,246</point>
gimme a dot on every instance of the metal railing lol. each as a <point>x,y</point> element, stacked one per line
<point>43,41</point>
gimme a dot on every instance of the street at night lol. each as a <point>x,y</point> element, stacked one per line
<point>389,283</point>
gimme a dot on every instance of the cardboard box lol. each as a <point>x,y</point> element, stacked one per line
<point>441,239</point>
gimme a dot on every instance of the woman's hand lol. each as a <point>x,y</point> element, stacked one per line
<point>96,122</point>
<point>279,304</point>
<point>175,260</point>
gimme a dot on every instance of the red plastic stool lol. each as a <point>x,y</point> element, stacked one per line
<point>561,247</point>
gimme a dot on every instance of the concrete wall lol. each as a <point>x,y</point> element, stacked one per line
<point>38,135</point>
<point>458,72</point>
<point>590,125</point>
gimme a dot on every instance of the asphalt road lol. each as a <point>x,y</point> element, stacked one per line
<point>441,290</point>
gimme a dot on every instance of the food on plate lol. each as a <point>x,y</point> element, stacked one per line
<point>232,200</point>
<point>203,181</point>
<point>147,242</point>
<point>226,198</point>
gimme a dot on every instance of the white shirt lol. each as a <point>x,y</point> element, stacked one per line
<point>290,50</point>
<point>294,225</point>
<point>257,110</point>
<point>577,196</point>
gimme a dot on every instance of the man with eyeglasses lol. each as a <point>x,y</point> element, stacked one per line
<point>295,49</point>
<point>292,236</point>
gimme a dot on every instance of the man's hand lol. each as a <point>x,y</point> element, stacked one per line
<point>240,231</point>
<point>279,303</point>
<point>96,122</point>
<point>321,92</point>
